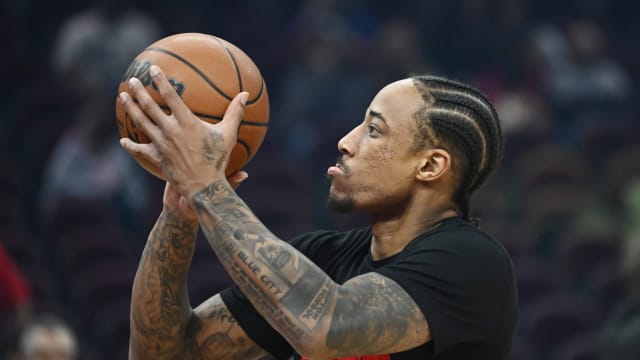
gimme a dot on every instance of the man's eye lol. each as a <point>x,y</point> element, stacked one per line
<point>372,130</point>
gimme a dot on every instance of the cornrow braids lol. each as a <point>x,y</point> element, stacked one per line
<point>462,120</point>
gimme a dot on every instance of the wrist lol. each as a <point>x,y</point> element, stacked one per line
<point>210,190</point>
<point>180,218</point>
<point>198,186</point>
<point>206,195</point>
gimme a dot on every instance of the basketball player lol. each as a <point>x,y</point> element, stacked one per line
<point>421,282</point>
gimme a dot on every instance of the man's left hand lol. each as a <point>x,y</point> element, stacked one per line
<point>191,153</point>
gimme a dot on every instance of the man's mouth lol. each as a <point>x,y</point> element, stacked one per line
<point>340,163</point>
<point>335,170</point>
<point>338,169</point>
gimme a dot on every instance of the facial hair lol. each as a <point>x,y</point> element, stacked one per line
<point>341,206</point>
<point>336,204</point>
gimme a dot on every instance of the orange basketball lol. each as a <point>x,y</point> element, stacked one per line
<point>207,72</point>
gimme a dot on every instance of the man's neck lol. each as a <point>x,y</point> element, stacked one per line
<point>391,235</point>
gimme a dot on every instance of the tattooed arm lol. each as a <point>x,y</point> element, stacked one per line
<point>369,314</point>
<point>160,311</point>
<point>163,325</point>
<point>217,335</point>
<point>319,318</point>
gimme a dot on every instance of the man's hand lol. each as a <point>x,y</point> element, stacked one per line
<point>172,199</point>
<point>191,153</point>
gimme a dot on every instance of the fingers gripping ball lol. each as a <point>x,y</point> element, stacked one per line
<point>207,72</point>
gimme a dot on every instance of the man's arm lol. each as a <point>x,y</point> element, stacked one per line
<point>217,335</point>
<point>296,297</point>
<point>160,311</point>
<point>370,314</point>
<point>163,325</point>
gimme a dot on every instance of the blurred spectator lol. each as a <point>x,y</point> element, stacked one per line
<point>88,163</point>
<point>15,300</point>
<point>399,51</point>
<point>325,88</point>
<point>92,52</point>
<point>48,338</point>
<point>580,66</point>
<point>631,251</point>
<point>95,46</point>
<point>621,338</point>
<point>523,113</point>
<point>584,81</point>
<point>15,294</point>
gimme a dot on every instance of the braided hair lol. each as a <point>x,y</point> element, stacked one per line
<point>460,119</point>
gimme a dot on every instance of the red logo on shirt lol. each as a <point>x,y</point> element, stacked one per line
<point>363,357</point>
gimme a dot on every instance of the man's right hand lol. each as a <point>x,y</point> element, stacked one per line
<point>173,201</point>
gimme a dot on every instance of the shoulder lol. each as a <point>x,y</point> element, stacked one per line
<point>460,238</point>
<point>460,253</point>
<point>462,280</point>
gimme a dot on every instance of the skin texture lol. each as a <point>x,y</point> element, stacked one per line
<point>318,317</point>
<point>380,164</point>
<point>369,314</point>
<point>160,314</point>
<point>163,325</point>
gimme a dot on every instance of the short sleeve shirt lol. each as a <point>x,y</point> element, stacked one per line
<point>459,277</point>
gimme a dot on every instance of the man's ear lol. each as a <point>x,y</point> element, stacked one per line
<point>434,164</point>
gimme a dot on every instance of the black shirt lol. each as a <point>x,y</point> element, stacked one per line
<point>459,277</point>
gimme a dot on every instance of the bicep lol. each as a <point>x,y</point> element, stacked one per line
<point>374,315</point>
<point>215,334</point>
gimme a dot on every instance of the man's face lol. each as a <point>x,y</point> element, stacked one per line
<point>377,169</point>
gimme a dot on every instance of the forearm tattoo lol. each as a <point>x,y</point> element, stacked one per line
<point>217,334</point>
<point>295,296</point>
<point>395,322</point>
<point>290,291</point>
<point>160,310</point>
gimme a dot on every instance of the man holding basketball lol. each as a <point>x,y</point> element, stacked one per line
<point>421,282</point>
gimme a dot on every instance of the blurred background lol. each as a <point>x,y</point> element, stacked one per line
<point>75,210</point>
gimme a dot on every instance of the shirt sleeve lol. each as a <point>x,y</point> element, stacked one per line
<point>460,280</point>
<point>256,327</point>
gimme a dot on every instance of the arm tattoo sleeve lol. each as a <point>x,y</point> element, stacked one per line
<point>163,325</point>
<point>316,316</point>
<point>218,335</point>
<point>394,320</point>
<point>160,311</point>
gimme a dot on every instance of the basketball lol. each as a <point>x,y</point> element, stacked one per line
<point>207,72</point>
